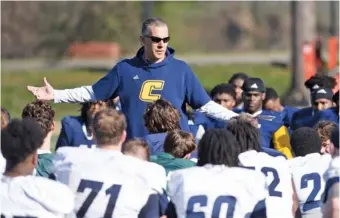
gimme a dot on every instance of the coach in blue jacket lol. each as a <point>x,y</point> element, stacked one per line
<point>152,74</point>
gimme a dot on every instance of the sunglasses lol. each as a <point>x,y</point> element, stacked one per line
<point>157,39</point>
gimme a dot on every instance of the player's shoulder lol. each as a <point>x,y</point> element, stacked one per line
<point>310,159</point>
<point>237,173</point>
<point>302,112</point>
<point>333,169</point>
<point>71,120</point>
<point>252,156</point>
<point>67,151</point>
<point>72,155</point>
<point>151,173</point>
<point>54,196</point>
<point>144,166</point>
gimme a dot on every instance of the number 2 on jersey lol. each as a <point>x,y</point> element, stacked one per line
<point>276,181</point>
<point>311,203</point>
<point>95,187</point>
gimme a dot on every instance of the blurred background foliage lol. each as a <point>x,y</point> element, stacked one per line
<point>46,29</point>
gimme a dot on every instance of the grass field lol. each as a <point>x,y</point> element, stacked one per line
<point>14,95</point>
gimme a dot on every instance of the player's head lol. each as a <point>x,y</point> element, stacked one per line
<point>322,99</point>
<point>218,147</point>
<point>5,118</point>
<point>225,95</point>
<point>272,101</point>
<point>89,109</point>
<point>43,113</point>
<point>237,80</point>
<point>137,148</point>
<point>324,129</point>
<point>109,128</point>
<point>253,94</point>
<point>161,117</point>
<point>305,141</point>
<point>179,144</point>
<point>246,134</point>
<point>20,141</point>
<point>154,38</point>
<point>320,81</point>
<point>334,151</point>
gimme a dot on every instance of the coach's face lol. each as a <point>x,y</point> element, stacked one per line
<point>253,101</point>
<point>155,44</point>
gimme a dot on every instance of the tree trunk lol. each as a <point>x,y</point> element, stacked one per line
<point>146,10</point>
<point>334,18</point>
<point>303,29</point>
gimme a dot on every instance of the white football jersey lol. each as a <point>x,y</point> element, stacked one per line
<point>107,183</point>
<point>331,177</point>
<point>307,173</point>
<point>217,191</point>
<point>278,177</point>
<point>37,197</point>
<point>2,164</point>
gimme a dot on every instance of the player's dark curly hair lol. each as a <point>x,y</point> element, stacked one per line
<point>223,88</point>
<point>305,141</point>
<point>218,146</point>
<point>20,139</point>
<point>239,75</point>
<point>42,112</point>
<point>161,116</point>
<point>271,94</point>
<point>246,134</point>
<point>321,80</point>
<point>5,118</point>
<point>324,128</point>
<point>87,109</point>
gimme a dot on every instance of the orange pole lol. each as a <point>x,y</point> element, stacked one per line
<point>309,66</point>
<point>332,52</point>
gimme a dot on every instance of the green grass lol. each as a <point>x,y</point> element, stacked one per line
<point>14,95</point>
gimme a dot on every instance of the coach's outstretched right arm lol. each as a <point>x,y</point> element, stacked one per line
<point>101,90</point>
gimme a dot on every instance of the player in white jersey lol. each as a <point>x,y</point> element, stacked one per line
<point>307,170</point>
<point>106,182</point>
<point>330,197</point>
<point>275,169</point>
<point>216,187</point>
<point>24,195</point>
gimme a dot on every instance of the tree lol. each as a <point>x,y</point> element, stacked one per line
<point>303,29</point>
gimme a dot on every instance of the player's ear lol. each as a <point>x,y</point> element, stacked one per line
<point>53,126</point>
<point>123,137</point>
<point>187,156</point>
<point>263,96</point>
<point>234,103</point>
<point>142,42</point>
<point>35,159</point>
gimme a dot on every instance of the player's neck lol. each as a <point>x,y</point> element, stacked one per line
<point>20,170</point>
<point>47,142</point>
<point>110,147</point>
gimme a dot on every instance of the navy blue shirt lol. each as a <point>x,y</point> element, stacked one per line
<point>139,83</point>
<point>155,142</point>
<point>287,115</point>
<point>73,133</point>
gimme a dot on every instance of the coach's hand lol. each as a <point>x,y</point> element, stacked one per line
<point>45,93</point>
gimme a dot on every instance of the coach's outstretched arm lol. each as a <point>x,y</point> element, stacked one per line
<point>101,90</point>
<point>47,93</point>
<point>197,97</point>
